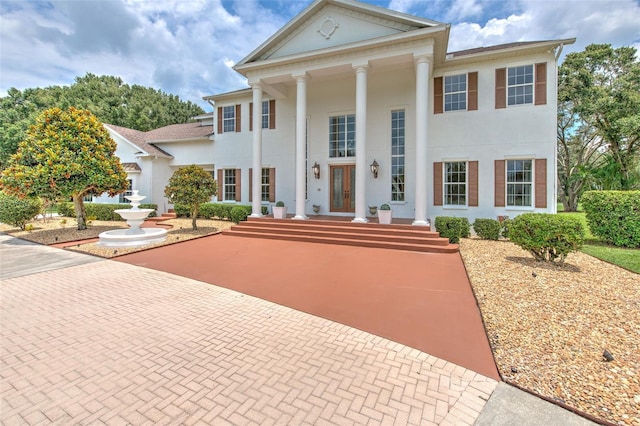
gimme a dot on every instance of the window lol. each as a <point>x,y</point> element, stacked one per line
<point>229,184</point>
<point>265,184</point>
<point>519,183</point>
<point>342,136</point>
<point>455,183</point>
<point>265,114</point>
<point>229,118</point>
<point>397,155</point>
<point>128,192</point>
<point>520,85</point>
<point>455,92</point>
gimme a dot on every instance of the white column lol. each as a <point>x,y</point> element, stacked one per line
<point>301,140</point>
<point>422,102</point>
<point>256,190</point>
<point>361,144</point>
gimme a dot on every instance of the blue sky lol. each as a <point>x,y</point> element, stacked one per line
<point>187,47</point>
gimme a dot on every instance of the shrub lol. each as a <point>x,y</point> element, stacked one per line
<point>206,210</point>
<point>18,211</point>
<point>505,222</point>
<point>385,207</point>
<point>453,228</point>
<point>487,229</point>
<point>102,211</point>
<point>614,216</point>
<point>238,214</point>
<point>548,237</point>
<point>280,204</point>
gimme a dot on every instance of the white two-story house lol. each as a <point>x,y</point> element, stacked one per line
<point>351,105</point>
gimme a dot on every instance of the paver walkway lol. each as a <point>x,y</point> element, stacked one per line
<point>111,343</point>
<point>422,300</point>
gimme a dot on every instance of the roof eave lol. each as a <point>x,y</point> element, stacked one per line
<point>496,53</point>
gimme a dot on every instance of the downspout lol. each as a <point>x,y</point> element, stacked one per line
<point>555,156</point>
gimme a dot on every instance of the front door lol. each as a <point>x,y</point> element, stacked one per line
<point>343,188</point>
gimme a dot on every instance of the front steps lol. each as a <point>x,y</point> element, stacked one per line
<point>398,237</point>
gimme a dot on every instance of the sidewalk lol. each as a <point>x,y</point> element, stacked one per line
<point>103,341</point>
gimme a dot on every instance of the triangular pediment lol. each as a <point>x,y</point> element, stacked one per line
<point>333,23</point>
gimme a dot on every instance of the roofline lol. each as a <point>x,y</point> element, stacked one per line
<point>197,138</point>
<point>349,4</point>
<point>133,144</point>
<point>490,51</point>
<point>379,41</point>
<point>232,94</point>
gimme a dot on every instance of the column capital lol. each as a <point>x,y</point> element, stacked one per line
<point>360,66</point>
<point>300,76</point>
<point>422,59</point>
<point>256,85</point>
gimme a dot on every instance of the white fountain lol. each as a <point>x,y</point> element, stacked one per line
<point>133,236</point>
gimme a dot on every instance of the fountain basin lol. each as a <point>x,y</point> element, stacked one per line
<point>124,238</point>
<point>134,214</point>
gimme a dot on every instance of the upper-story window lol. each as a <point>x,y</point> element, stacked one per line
<point>267,113</point>
<point>229,118</point>
<point>342,136</point>
<point>455,92</point>
<point>520,85</point>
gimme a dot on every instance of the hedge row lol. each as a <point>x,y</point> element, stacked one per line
<point>453,228</point>
<point>614,216</point>
<point>221,211</point>
<point>100,211</point>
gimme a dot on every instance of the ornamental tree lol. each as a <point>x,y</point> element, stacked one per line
<point>65,154</point>
<point>191,186</point>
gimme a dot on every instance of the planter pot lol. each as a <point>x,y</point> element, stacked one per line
<point>280,212</point>
<point>384,216</point>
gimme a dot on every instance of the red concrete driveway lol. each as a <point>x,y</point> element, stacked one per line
<point>422,300</point>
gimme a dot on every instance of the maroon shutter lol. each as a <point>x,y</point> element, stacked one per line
<point>272,114</point>
<point>472,175</point>
<point>250,185</point>
<point>541,183</point>
<point>251,116</point>
<point>501,88</point>
<point>272,185</point>
<point>437,95</point>
<point>238,118</point>
<point>499,188</point>
<point>472,93</point>
<point>220,185</point>
<point>541,84</point>
<point>220,127</point>
<point>238,185</point>
<point>437,184</point>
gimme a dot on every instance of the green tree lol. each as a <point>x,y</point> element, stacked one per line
<point>602,87</point>
<point>66,154</point>
<point>191,186</point>
<point>107,97</point>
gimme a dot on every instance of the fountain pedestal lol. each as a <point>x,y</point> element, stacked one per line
<point>134,235</point>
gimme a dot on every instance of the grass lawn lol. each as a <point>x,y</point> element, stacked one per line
<point>625,257</point>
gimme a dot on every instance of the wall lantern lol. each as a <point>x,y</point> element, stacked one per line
<point>374,168</point>
<point>316,170</point>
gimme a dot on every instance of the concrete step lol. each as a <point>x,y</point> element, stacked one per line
<point>398,237</point>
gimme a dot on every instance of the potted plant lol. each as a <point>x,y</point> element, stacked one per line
<point>384,214</point>
<point>373,210</point>
<point>279,211</point>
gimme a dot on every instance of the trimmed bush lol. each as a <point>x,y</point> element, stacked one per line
<point>505,222</point>
<point>239,213</point>
<point>487,229</point>
<point>614,216</point>
<point>548,237</point>
<point>18,211</point>
<point>102,211</point>
<point>453,228</point>
<point>221,211</point>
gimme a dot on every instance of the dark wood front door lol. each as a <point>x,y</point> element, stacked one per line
<point>343,188</point>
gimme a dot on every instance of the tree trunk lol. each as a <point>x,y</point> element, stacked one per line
<point>194,216</point>
<point>81,215</point>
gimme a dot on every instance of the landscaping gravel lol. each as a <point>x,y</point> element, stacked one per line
<point>549,326</point>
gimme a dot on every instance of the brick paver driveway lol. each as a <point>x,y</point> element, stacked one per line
<point>107,342</point>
